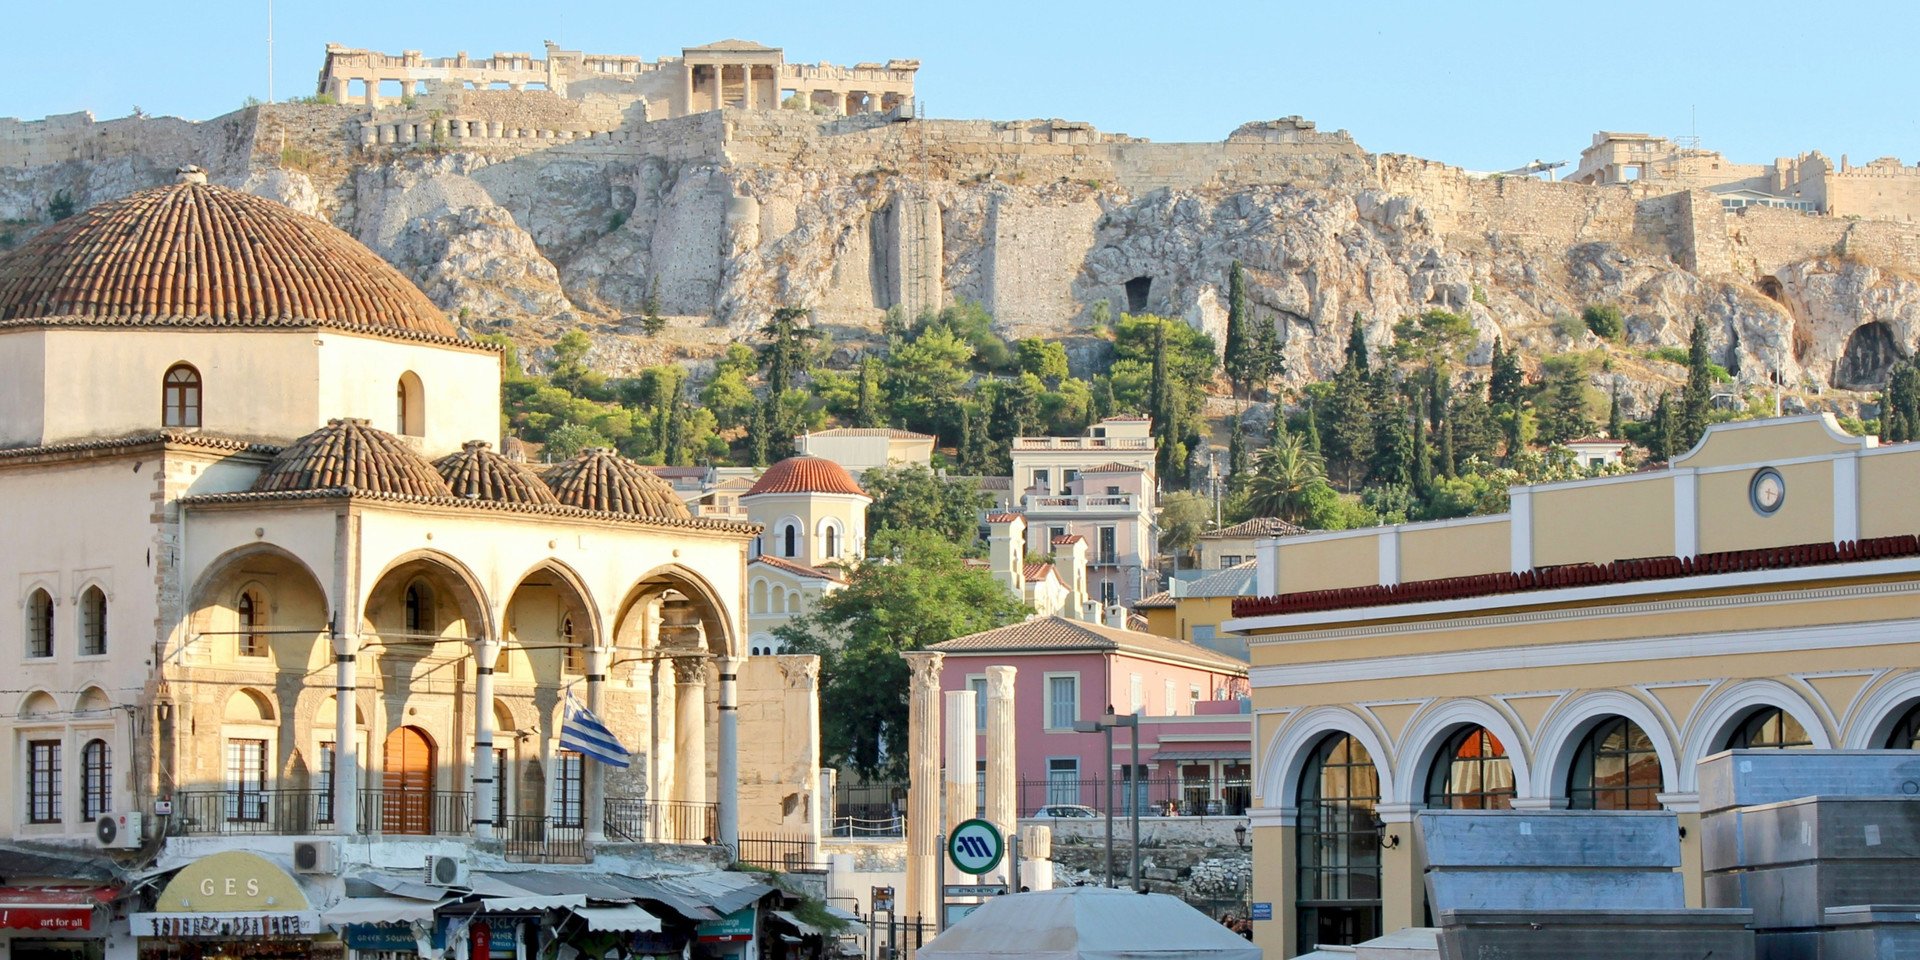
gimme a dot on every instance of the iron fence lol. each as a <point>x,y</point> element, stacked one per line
<point>1166,797</point>
<point>536,839</point>
<point>785,854</point>
<point>897,938</point>
<point>415,812</point>
<point>639,820</point>
<point>265,812</point>
<point>869,810</point>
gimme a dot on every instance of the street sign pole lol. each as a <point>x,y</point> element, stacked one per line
<point>940,843</point>
<point>1013,862</point>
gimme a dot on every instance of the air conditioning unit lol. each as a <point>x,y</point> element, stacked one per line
<point>446,871</point>
<point>119,831</point>
<point>316,856</point>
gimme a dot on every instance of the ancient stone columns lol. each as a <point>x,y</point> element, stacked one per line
<point>727,782</point>
<point>346,745</point>
<point>594,794</point>
<point>690,728</point>
<point>486,650</point>
<point>923,774</point>
<point>961,735</point>
<point>1002,805</point>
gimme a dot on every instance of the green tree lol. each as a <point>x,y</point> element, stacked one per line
<point>924,377</point>
<point>1357,344</point>
<point>887,608</point>
<point>915,498</point>
<point>1900,405</point>
<point>1237,448</point>
<point>787,353</point>
<point>758,446</point>
<point>1696,400</point>
<point>1475,431</point>
<point>1507,388</point>
<point>1243,360</point>
<point>1282,478</point>
<point>1350,435</point>
<point>1614,424</point>
<point>1184,515</point>
<point>1604,320</point>
<point>866,412</point>
<point>1563,405</point>
<point>1422,472</point>
<point>570,360</point>
<point>1046,359</point>
<point>568,439</point>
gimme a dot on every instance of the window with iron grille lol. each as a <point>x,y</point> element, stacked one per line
<point>323,781</point>
<point>252,612</point>
<point>96,780</point>
<point>247,780</point>
<point>40,624</point>
<point>93,622</point>
<point>569,789</point>
<point>43,781</point>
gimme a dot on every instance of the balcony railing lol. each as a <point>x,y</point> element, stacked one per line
<point>291,812</point>
<point>1081,503</point>
<point>638,820</point>
<point>1083,443</point>
<point>785,854</point>
<point>535,839</point>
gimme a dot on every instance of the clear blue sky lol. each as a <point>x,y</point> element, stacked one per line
<point>1483,85</point>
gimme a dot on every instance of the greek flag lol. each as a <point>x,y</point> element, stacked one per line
<point>583,733</point>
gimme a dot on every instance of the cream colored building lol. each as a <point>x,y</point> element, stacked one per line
<point>1586,649</point>
<point>1232,546</point>
<point>860,449</point>
<point>813,517</point>
<point>1101,487</point>
<point>245,469</point>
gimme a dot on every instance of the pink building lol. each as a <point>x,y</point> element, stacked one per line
<point>1195,741</point>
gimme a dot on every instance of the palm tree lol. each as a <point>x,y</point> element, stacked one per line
<point>1282,474</point>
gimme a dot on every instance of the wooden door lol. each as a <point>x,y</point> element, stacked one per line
<point>406,795</point>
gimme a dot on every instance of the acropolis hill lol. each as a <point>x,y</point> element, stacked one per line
<point>535,194</point>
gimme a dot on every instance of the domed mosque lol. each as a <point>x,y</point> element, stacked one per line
<point>264,462</point>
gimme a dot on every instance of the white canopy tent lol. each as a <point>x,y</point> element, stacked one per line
<point>1088,923</point>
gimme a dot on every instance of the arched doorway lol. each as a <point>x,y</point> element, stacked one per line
<point>406,784</point>
<point>1339,857</point>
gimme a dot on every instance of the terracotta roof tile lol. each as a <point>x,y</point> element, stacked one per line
<point>170,437</point>
<point>871,432</point>
<point>1042,634</point>
<point>1003,517</point>
<point>478,473</point>
<point>806,475</point>
<point>799,569</point>
<point>348,454</point>
<point>601,480</point>
<point>1257,527</point>
<point>1041,571</point>
<point>1068,540</point>
<point>197,252</point>
<point>556,511</point>
<point>1114,466</point>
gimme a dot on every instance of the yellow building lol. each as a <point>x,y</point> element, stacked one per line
<point>1586,649</point>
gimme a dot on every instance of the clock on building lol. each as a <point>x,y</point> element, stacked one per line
<point>1767,491</point>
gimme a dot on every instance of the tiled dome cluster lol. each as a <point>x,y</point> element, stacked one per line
<point>193,254</point>
<point>806,475</point>
<point>350,455</point>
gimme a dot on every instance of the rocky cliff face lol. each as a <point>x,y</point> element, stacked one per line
<point>715,219</point>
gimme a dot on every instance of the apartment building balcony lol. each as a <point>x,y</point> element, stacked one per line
<point>1050,505</point>
<point>1083,443</point>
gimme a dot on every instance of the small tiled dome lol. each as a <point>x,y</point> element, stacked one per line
<point>599,479</point>
<point>478,473</point>
<point>350,454</point>
<point>806,475</point>
<point>194,254</point>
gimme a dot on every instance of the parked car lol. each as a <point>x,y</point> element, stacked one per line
<point>1066,811</point>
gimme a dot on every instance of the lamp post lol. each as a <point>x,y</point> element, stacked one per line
<point>1106,724</point>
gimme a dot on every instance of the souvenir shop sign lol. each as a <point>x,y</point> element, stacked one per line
<point>230,926</point>
<point>735,927</point>
<point>500,933</point>
<point>390,937</point>
<point>235,881</point>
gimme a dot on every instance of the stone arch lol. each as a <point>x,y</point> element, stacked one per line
<point>1873,718</point>
<point>1287,753</point>
<point>1574,717</point>
<point>467,595</point>
<point>1431,726</point>
<point>410,406</point>
<point>1871,352</point>
<point>759,601</point>
<point>1729,704</point>
<point>37,704</point>
<point>723,634</point>
<point>556,647</point>
<point>92,700</point>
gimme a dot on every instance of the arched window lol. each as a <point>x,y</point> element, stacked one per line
<point>1615,768</point>
<point>1768,728</point>
<point>93,622</point>
<point>759,596</point>
<point>40,624</point>
<point>96,780</point>
<point>419,609</point>
<point>180,397</point>
<point>1906,732</point>
<point>251,609</point>
<point>1471,772</point>
<point>410,406</point>
<point>789,541</point>
<point>830,540</point>
<point>1339,855</point>
<point>576,655</point>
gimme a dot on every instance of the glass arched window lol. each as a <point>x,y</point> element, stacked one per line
<point>410,406</point>
<point>180,397</point>
<point>1906,731</point>
<point>419,610</point>
<point>1615,768</point>
<point>251,609</point>
<point>1339,849</point>
<point>830,543</point>
<point>576,655</point>
<point>1471,772</point>
<point>93,622</point>
<point>40,624</point>
<point>789,541</point>
<point>96,780</point>
<point>1768,728</point>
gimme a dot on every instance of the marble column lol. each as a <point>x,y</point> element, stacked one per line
<point>485,651</point>
<point>594,790</point>
<point>962,788</point>
<point>727,775</point>
<point>1002,771</point>
<point>346,739</point>
<point>923,787</point>
<point>690,728</point>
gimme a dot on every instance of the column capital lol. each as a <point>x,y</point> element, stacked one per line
<point>690,670</point>
<point>1679,802</point>
<point>1397,812</point>
<point>924,666</point>
<point>1000,681</point>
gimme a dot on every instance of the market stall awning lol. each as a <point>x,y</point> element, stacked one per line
<point>1228,753</point>
<point>624,919</point>
<point>378,910</point>
<point>805,928</point>
<point>854,926</point>
<point>51,908</point>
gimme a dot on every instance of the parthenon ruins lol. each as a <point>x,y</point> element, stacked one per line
<point>730,73</point>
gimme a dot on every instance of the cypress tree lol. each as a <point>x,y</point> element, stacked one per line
<point>866,412</point>
<point>1666,428</point>
<point>1504,388</point>
<point>1272,362</point>
<point>1697,399</point>
<point>676,447</point>
<point>1236,451</point>
<point>757,436</point>
<point>1241,356</point>
<point>1613,412</point>
<point>1313,426</point>
<point>1102,396</point>
<point>1422,463</point>
<point>1357,344</point>
<point>1448,464</point>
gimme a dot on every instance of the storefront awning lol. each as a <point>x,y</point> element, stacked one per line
<point>378,910</point>
<point>1230,753</point>
<point>51,908</point>
<point>805,928</point>
<point>854,926</point>
<point>515,904</point>
<point>624,919</point>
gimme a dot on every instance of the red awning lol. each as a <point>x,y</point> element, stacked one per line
<point>51,908</point>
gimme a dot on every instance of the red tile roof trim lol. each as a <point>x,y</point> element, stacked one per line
<point>1580,575</point>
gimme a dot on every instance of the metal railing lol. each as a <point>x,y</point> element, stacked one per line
<point>869,810</point>
<point>639,820</point>
<point>416,813</point>
<point>1157,798</point>
<point>785,854</point>
<point>536,839</point>
<point>296,812</point>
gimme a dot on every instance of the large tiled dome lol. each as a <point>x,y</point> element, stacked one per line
<point>193,254</point>
<point>479,473</point>
<point>600,479</point>
<point>348,454</point>
<point>805,475</point>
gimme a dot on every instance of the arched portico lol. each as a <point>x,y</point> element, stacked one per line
<point>1575,717</point>
<point>1293,744</point>
<point>1872,720</point>
<point>1723,708</point>
<point>1431,727</point>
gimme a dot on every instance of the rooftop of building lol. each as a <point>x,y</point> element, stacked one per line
<point>806,475</point>
<point>1256,528</point>
<point>889,432</point>
<point>1238,580</point>
<point>800,569</point>
<point>1059,634</point>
